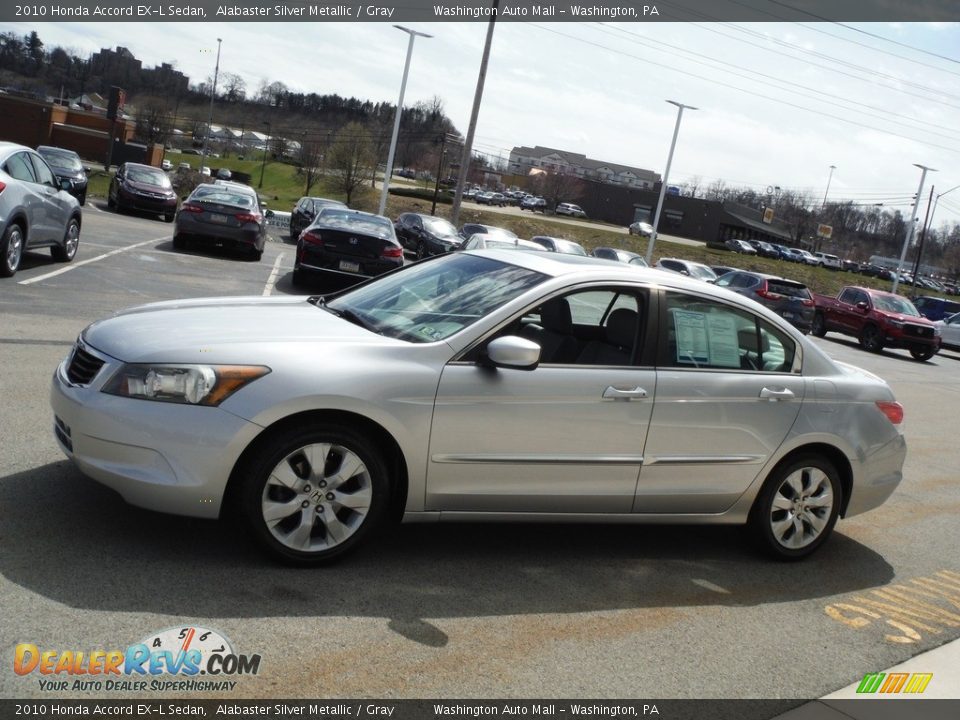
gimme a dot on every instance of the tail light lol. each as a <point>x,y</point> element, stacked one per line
<point>893,410</point>
<point>767,295</point>
<point>249,217</point>
<point>808,302</point>
<point>392,251</point>
<point>309,237</point>
<point>2,186</point>
<point>191,208</point>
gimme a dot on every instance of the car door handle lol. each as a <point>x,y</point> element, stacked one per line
<point>776,395</point>
<point>612,393</point>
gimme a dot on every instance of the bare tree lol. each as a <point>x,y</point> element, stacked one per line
<point>234,87</point>
<point>557,188</point>
<point>153,119</point>
<point>311,155</point>
<point>351,159</point>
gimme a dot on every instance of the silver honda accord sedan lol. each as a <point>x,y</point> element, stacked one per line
<point>486,385</point>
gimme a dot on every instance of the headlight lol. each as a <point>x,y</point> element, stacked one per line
<point>936,331</point>
<point>188,384</point>
<point>895,323</point>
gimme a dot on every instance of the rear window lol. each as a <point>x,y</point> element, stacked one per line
<point>789,289</point>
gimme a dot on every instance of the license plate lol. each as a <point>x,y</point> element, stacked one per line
<point>217,218</point>
<point>348,266</point>
<point>788,316</point>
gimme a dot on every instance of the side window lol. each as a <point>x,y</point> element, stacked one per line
<point>706,334</point>
<point>18,166</point>
<point>44,176</point>
<point>848,296</point>
<point>591,327</point>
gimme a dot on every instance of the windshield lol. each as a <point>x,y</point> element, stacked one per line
<point>440,227</point>
<point>702,272</point>
<point>894,304</point>
<point>571,248</point>
<point>431,301</point>
<point>224,195</point>
<point>148,177</point>
<point>62,160</point>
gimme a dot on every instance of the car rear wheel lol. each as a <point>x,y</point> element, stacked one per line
<point>421,250</point>
<point>312,497</point>
<point>71,241</point>
<point>871,339</point>
<point>819,326</point>
<point>168,217</point>
<point>11,250</point>
<point>797,508</point>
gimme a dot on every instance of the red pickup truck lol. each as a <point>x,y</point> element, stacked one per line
<point>877,319</point>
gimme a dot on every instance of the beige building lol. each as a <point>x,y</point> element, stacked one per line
<point>523,160</point>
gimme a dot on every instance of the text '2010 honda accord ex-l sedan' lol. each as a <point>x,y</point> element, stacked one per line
<point>482,385</point>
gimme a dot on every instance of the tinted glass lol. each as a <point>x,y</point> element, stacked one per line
<point>42,171</point>
<point>148,176</point>
<point>374,225</point>
<point>62,159</point>
<point>19,166</point>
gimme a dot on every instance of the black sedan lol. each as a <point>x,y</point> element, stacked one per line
<point>143,188</point>
<point>225,215</point>
<point>67,166</point>
<point>426,235</point>
<point>347,246</point>
<point>306,211</point>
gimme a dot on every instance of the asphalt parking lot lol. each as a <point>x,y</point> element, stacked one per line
<point>449,611</point>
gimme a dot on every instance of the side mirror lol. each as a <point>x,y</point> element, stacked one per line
<point>514,352</point>
<point>66,184</point>
<point>269,213</point>
<point>862,306</point>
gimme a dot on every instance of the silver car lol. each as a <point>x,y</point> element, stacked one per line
<point>36,209</point>
<point>479,386</point>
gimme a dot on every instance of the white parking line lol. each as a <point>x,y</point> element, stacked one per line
<point>272,280</point>
<point>73,266</point>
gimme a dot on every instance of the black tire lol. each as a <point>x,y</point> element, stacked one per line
<point>111,203</point>
<point>923,355</point>
<point>421,250</point>
<point>11,250</point>
<point>871,339</point>
<point>311,506</point>
<point>168,217</point>
<point>82,200</point>
<point>791,526</point>
<point>71,241</point>
<point>819,326</point>
<point>179,242</point>
<point>299,279</point>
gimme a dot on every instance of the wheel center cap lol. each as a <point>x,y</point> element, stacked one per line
<point>316,497</point>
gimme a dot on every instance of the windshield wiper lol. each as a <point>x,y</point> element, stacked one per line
<point>351,316</point>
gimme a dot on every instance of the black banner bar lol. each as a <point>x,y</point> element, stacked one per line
<point>480,10</point>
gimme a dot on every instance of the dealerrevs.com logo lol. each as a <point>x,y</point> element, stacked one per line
<point>892,683</point>
<point>170,660</point>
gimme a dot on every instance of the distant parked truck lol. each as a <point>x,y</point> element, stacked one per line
<point>878,320</point>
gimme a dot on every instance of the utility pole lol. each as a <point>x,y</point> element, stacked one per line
<point>912,227</point>
<point>474,114</point>
<point>436,187</point>
<point>923,236</point>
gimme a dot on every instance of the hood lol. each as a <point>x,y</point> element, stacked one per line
<point>234,329</point>
<point>899,317</point>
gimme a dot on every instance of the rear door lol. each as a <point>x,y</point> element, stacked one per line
<point>34,198</point>
<point>728,391</point>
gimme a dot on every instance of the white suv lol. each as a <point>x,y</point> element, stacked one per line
<point>828,261</point>
<point>570,209</point>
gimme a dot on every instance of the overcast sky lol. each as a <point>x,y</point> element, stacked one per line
<point>778,103</point>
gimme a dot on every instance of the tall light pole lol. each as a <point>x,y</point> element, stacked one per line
<point>827,191</point>
<point>666,174</point>
<point>213,94</point>
<point>912,227</point>
<point>266,149</point>
<point>396,119</point>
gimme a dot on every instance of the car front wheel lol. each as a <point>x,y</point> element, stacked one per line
<point>313,496</point>
<point>797,508</point>
<point>923,355</point>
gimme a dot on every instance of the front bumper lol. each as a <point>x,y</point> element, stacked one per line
<point>160,456</point>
